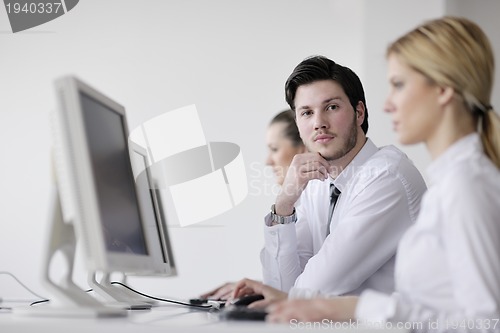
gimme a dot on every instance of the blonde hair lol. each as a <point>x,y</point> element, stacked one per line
<point>455,52</point>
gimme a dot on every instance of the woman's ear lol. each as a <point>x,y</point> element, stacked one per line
<point>445,95</point>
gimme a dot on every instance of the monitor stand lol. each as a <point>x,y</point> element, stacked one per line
<point>117,295</point>
<point>148,300</point>
<point>69,299</point>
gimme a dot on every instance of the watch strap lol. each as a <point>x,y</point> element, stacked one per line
<point>279,219</point>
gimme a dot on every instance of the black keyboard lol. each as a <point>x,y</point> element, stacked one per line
<point>242,313</point>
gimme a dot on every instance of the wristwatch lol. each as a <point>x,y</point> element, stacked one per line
<point>282,219</point>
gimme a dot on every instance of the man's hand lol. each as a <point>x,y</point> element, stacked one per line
<point>250,287</point>
<point>304,167</point>
<point>222,292</point>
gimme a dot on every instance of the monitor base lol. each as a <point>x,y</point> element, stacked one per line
<point>69,311</point>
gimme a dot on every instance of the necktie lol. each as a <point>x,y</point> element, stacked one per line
<point>334,195</point>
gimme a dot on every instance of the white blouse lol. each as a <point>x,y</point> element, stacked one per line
<point>448,263</point>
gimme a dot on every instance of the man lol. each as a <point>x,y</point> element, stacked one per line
<point>376,193</point>
<point>343,205</point>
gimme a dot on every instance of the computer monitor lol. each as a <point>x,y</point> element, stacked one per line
<point>98,202</point>
<point>154,222</point>
<point>150,198</point>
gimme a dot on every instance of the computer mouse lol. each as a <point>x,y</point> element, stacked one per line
<point>246,300</point>
<point>243,313</point>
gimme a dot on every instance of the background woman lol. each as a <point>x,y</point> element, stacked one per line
<point>283,142</point>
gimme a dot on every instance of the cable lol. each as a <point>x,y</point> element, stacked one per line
<point>48,300</point>
<point>38,302</point>
<point>206,307</point>
<point>22,284</point>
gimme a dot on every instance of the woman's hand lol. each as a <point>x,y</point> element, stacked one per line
<point>314,310</point>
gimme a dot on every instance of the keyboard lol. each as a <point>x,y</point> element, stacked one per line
<point>242,313</point>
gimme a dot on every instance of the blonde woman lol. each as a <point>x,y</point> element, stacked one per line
<point>448,265</point>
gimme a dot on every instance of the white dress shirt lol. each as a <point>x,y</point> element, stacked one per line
<point>380,198</point>
<point>448,267</point>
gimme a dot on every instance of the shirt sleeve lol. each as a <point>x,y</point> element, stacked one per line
<point>366,237</point>
<point>287,249</point>
<point>376,309</point>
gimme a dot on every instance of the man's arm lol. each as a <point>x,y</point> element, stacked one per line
<point>287,249</point>
<point>280,258</point>
<point>366,237</point>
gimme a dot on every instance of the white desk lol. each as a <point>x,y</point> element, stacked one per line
<point>165,319</point>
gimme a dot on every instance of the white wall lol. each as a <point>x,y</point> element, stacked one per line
<point>384,21</point>
<point>230,58</point>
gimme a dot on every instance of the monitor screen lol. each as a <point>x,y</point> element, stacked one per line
<point>114,182</point>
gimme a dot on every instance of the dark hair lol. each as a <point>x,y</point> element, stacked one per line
<point>319,68</point>
<point>291,131</point>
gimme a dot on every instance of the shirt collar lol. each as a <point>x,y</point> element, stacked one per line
<point>460,150</point>
<point>351,169</point>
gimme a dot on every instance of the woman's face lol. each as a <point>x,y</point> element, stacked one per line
<point>412,102</point>
<point>281,150</point>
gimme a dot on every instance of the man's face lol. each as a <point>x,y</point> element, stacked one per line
<point>326,120</point>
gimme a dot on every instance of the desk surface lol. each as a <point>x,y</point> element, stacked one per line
<point>168,318</point>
